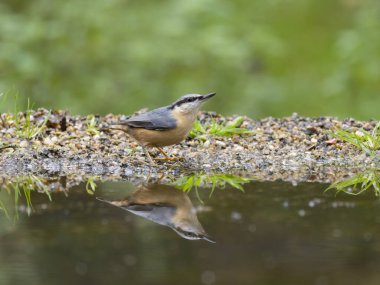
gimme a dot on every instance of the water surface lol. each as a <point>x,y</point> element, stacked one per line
<point>273,233</point>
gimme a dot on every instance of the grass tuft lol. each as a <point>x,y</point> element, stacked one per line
<point>25,126</point>
<point>215,129</point>
<point>369,142</point>
<point>359,183</point>
<point>91,125</point>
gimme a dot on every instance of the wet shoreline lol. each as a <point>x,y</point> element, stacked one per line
<point>294,148</point>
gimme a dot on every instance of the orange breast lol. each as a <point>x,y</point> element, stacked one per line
<point>166,137</point>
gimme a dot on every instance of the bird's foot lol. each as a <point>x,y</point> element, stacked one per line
<point>169,158</point>
<point>147,154</point>
<point>166,157</point>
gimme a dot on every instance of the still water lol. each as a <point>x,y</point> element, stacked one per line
<point>272,233</point>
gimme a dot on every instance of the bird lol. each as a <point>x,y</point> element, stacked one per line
<point>166,125</point>
<point>167,206</point>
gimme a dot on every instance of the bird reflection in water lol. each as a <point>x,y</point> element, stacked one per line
<point>167,206</point>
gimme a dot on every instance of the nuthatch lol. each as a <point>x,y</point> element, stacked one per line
<point>166,125</point>
<point>167,206</point>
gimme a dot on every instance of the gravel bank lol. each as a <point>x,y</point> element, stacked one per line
<point>292,149</point>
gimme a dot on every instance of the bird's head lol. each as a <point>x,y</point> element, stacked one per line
<point>192,233</point>
<point>190,103</point>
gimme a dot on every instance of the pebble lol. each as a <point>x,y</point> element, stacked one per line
<point>206,144</point>
<point>23,144</point>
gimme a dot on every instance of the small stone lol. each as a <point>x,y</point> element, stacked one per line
<point>24,144</point>
<point>238,148</point>
<point>206,144</point>
<point>331,142</point>
<point>359,133</point>
<point>54,140</point>
<point>221,144</point>
<point>48,141</point>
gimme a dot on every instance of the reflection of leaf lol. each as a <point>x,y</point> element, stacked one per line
<point>4,209</point>
<point>213,181</point>
<point>359,183</point>
<point>22,187</point>
<point>91,184</point>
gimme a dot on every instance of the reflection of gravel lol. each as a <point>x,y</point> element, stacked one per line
<point>292,148</point>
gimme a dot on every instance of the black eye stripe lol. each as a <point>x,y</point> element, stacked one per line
<point>192,99</point>
<point>185,100</point>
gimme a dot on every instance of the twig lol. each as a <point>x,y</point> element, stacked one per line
<point>5,125</point>
<point>7,146</point>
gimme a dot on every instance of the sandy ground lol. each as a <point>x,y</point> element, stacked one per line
<point>292,149</point>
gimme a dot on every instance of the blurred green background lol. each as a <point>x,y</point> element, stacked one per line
<point>263,58</point>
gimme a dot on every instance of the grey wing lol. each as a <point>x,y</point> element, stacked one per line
<point>158,119</point>
<point>159,213</point>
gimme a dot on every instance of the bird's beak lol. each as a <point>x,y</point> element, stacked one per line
<point>208,96</point>
<point>207,237</point>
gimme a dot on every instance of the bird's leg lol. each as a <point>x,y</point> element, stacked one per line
<point>161,177</point>
<point>151,161</point>
<point>166,157</point>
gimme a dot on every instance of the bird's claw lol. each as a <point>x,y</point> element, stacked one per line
<point>169,158</point>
